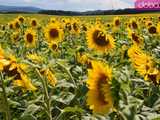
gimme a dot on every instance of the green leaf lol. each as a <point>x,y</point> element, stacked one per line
<point>28,117</point>
<point>73,109</point>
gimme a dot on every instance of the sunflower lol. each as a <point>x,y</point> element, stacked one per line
<point>75,27</point>
<point>16,24</point>
<point>11,25</point>
<point>25,83</point>
<point>30,38</point>
<point>135,37</point>
<point>53,46</point>
<point>15,37</point>
<point>97,39</point>
<point>21,19</point>
<point>149,23</point>
<point>34,22</point>
<point>99,96</point>
<point>53,33</point>
<point>134,23</point>
<point>50,76</point>
<point>116,22</point>
<point>152,30</point>
<point>142,62</point>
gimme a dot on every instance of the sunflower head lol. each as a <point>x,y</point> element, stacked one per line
<point>53,46</point>
<point>34,22</point>
<point>15,37</point>
<point>75,27</point>
<point>134,23</point>
<point>97,39</point>
<point>135,38</point>
<point>152,30</point>
<point>11,25</point>
<point>21,19</point>
<point>99,97</point>
<point>53,33</point>
<point>16,24</point>
<point>30,38</point>
<point>116,22</point>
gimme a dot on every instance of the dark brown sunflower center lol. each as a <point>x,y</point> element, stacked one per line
<point>102,82</point>
<point>29,38</point>
<point>75,26</point>
<point>54,47</point>
<point>99,38</point>
<point>152,30</point>
<point>17,25</point>
<point>134,25</point>
<point>117,22</point>
<point>34,23</point>
<point>21,19</point>
<point>11,26</point>
<point>53,33</point>
<point>135,38</point>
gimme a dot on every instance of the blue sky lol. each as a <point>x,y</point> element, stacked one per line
<point>77,5</point>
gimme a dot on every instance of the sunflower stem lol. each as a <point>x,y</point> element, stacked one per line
<point>68,72</point>
<point>7,110</point>
<point>47,98</point>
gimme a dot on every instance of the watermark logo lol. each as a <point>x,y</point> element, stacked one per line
<point>147,4</point>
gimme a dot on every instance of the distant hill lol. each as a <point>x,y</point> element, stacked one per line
<point>4,9</point>
<point>29,9</point>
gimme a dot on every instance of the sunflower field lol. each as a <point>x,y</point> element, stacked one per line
<point>80,68</point>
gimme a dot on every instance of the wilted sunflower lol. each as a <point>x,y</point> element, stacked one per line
<point>30,38</point>
<point>53,33</point>
<point>97,39</point>
<point>99,96</point>
<point>152,30</point>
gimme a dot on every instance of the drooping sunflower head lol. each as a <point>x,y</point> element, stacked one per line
<point>99,96</point>
<point>30,38</point>
<point>97,39</point>
<point>152,30</point>
<point>53,33</point>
